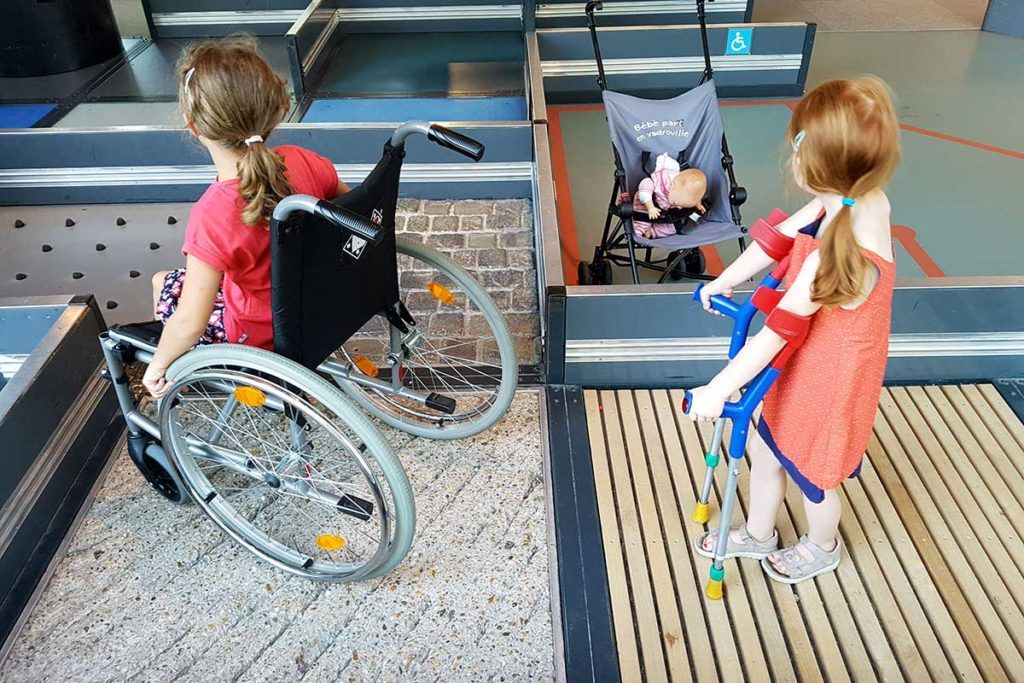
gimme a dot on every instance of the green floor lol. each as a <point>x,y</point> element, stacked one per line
<point>956,196</point>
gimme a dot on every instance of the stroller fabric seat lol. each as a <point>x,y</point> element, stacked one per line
<point>688,125</point>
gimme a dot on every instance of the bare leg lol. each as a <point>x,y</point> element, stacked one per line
<point>767,491</point>
<point>767,488</point>
<point>158,285</point>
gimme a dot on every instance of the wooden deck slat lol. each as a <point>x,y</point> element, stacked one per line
<point>971,459</point>
<point>903,608</point>
<point>909,536</point>
<point>970,402</point>
<point>916,596</point>
<point>622,612</point>
<point>971,523</point>
<point>657,558</point>
<point>970,576</point>
<point>644,612</point>
<point>665,451</point>
<point>1004,412</point>
<point>972,433</point>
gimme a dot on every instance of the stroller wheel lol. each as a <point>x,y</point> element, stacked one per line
<point>692,263</point>
<point>602,271</point>
<point>584,276</point>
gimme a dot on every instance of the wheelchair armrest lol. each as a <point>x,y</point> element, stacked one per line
<point>145,335</point>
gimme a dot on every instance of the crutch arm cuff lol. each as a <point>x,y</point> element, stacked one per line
<point>793,330</point>
<point>766,233</point>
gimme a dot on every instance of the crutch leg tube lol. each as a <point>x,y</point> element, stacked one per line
<point>700,512</point>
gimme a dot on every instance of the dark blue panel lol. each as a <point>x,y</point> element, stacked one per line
<point>406,108</point>
<point>23,115</point>
<point>1012,391</point>
<point>590,653</point>
<point>22,327</point>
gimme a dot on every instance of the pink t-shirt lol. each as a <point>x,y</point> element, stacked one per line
<point>216,236</point>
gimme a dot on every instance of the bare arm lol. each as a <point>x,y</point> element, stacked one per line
<point>188,322</point>
<point>343,188</point>
<point>709,400</point>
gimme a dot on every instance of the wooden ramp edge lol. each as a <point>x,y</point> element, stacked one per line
<point>931,586</point>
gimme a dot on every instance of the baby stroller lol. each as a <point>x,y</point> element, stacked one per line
<point>271,445</point>
<point>688,128</point>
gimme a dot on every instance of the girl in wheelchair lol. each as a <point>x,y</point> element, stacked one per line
<point>231,101</point>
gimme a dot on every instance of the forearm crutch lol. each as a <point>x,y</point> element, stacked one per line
<point>742,314</point>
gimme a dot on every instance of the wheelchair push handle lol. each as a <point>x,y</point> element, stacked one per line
<point>463,144</point>
<point>334,214</point>
<point>445,137</point>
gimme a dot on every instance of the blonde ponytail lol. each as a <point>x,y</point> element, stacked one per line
<point>262,182</point>
<point>844,267</point>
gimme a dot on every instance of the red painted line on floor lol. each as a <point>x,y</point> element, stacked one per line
<point>963,141</point>
<point>907,237</point>
<point>563,200</point>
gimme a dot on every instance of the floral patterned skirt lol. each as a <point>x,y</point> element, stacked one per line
<point>169,295</point>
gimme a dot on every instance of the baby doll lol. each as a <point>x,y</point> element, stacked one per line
<point>668,187</point>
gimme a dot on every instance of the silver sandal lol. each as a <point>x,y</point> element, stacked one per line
<point>748,547</point>
<point>799,568</point>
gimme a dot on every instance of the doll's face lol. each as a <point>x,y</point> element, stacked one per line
<point>688,188</point>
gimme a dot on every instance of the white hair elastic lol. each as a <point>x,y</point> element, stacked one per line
<point>188,75</point>
<point>254,138</point>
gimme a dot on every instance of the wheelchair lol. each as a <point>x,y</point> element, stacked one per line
<point>273,446</point>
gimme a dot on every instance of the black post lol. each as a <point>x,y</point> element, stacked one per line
<point>602,82</point>
<point>702,17</point>
<point>42,38</point>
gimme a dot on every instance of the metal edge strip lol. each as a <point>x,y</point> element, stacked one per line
<point>24,496</point>
<point>385,126</point>
<point>136,176</point>
<point>535,79</point>
<point>321,43</point>
<point>551,11</point>
<point>431,13</point>
<point>221,18</point>
<point>44,580</point>
<point>581,67</point>
<point>944,344</point>
<point>555,591</point>
<point>547,237</point>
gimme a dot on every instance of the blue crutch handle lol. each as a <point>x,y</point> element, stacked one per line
<point>741,411</point>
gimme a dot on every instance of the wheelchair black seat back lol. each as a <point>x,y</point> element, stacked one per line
<point>326,282</point>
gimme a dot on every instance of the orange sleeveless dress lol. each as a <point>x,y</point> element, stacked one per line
<point>818,415</point>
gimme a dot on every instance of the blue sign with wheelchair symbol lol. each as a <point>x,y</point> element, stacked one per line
<point>739,41</point>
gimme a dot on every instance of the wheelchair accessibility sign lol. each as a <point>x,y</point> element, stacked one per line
<point>739,41</point>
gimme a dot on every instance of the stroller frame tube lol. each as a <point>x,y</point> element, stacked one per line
<point>610,240</point>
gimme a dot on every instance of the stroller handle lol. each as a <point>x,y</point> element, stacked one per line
<point>334,214</point>
<point>437,133</point>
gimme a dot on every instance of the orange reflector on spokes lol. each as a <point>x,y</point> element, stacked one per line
<point>330,542</point>
<point>250,396</point>
<point>441,293</point>
<point>366,366</point>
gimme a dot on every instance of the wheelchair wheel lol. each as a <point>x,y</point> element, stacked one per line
<point>454,374</point>
<point>285,465</point>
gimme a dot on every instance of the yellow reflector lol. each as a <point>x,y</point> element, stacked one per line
<point>330,542</point>
<point>250,396</point>
<point>366,366</point>
<point>441,293</point>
